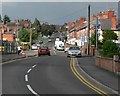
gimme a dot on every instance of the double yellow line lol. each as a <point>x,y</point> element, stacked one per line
<point>83,80</point>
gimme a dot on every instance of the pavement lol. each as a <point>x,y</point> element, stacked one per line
<point>8,57</point>
<point>86,63</point>
<point>104,77</point>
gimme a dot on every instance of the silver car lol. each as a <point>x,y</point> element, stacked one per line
<point>74,51</point>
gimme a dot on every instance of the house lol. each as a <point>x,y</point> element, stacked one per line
<point>78,31</point>
<point>9,31</point>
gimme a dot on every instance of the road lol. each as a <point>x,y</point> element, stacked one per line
<point>51,75</point>
<point>43,75</point>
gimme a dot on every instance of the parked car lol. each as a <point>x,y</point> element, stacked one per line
<point>43,50</point>
<point>74,51</point>
<point>34,47</point>
<point>49,40</point>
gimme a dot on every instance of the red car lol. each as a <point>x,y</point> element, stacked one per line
<point>43,50</point>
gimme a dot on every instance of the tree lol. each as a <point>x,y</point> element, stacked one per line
<point>37,25</point>
<point>110,48</point>
<point>47,29</point>
<point>24,35</point>
<point>93,41</point>
<point>6,19</point>
<point>109,35</point>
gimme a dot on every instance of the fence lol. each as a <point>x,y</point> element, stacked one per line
<point>9,47</point>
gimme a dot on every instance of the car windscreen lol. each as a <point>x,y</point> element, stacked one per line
<point>74,48</point>
<point>43,47</point>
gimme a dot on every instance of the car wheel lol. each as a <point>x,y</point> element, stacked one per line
<point>39,55</point>
<point>49,54</point>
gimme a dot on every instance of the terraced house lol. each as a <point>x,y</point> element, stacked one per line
<point>9,34</point>
<point>78,30</point>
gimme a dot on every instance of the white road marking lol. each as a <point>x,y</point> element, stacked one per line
<point>29,70</point>
<point>31,90</point>
<point>26,77</point>
<point>34,66</point>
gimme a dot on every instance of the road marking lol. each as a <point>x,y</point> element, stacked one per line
<point>26,77</point>
<point>32,91</point>
<point>34,66</point>
<point>83,80</point>
<point>95,80</point>
<point>29,70</point>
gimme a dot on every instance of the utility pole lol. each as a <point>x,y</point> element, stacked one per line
<point>96,33</point>
<point>88,39</point>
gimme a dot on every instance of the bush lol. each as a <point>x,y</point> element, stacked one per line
<point>109,49</point>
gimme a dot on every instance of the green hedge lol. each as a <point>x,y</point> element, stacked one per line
<point>110,49</point>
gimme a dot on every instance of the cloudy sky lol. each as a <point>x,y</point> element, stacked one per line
<point>54,11</point>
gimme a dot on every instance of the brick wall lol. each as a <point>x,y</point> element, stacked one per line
<point>107,64</point>
<point>9,37</point>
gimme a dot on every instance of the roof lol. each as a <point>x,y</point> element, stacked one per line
<point>106,24</point>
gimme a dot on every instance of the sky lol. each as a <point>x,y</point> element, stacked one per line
<point>54,12</point>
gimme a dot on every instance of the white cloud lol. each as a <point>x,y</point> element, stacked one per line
<point>59,0</point>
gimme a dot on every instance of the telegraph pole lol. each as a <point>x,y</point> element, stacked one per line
<point>96,33</point>
<point>88,39</point>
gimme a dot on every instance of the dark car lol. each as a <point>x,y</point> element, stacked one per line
<point>43,50</point>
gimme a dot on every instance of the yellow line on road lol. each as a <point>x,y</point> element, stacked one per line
<point>83,80</point>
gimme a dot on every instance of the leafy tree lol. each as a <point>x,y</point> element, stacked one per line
<point>34,35</point>
<point>93,41</point>
<point>6,19</point>
<point>109,35</point>
<point>48,29</point>
<point>37,25</point>
<point>110,48</point>
<point>45,29</point>
<point>24,35</point>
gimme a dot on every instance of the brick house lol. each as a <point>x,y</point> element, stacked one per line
<point>79,29</point>
<point>10,29</point>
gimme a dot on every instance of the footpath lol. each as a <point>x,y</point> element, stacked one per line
<point>8,57</point>
<point>108,79</point>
